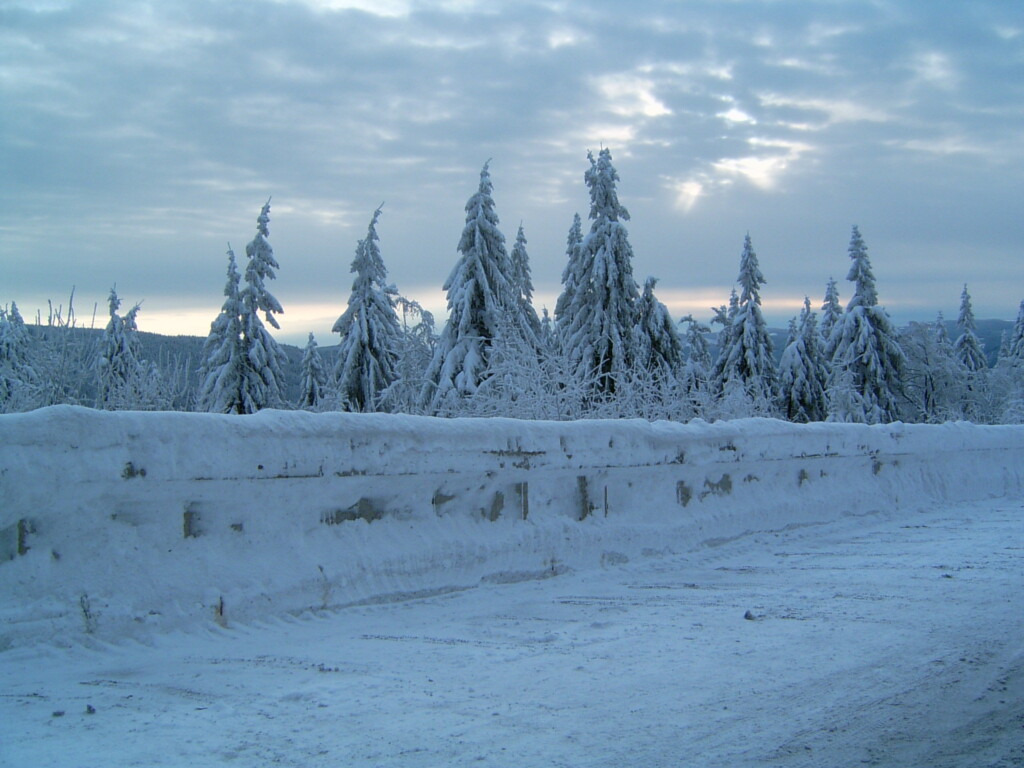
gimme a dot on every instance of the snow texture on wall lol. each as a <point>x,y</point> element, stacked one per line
<point>121,524</point>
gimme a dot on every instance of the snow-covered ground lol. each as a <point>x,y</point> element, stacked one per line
<point>889,639</point>
<point>339,589</point>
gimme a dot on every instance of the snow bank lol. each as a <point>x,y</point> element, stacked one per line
<point>121,524</point>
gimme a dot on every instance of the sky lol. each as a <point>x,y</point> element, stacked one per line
<point>139,139</point>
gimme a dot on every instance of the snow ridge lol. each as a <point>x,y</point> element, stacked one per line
<point>125,524</point>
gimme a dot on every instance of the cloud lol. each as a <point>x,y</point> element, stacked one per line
<point>386,8</point>
<point>148,134</point>
<point>628,95</point>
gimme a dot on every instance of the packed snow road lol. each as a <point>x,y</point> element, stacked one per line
<point>877,640</point>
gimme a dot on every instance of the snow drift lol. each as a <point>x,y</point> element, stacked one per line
<point>121,524</point>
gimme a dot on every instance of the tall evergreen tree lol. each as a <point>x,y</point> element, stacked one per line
<point>17,375</point>
<point>574,270</point>
<point>1014,354</point>
<point>370,334</point>
<point>695,379</point>
<point>659,350</point>
<point>746,359</point>
<point>264,378</point>
<point>599,338</point>
<point>698,348</point>
<point>831,310</point>
<point>120,372</point>
<point>313,383</point>
<point>803,376</point>
<point>481,299</point>
<point>415,351</point>
<point>934,379</point>
<point>548,343</point>
<point>1008,378</point>
<point>522,285</point>
<point>864,349</point>
<point>222,371</point>
<point>969,348</point>
<point>14,339</point>
<point>242,369</point>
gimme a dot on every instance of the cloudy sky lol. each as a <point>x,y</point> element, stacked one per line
<point>137,139</point>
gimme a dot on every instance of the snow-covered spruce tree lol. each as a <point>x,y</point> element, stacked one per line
<point>18,379</point>
<point>516,385</point>
<point>241,369</point>
<point>969,348</point>
<point>724,316</point>
<point>695,379</point>
<point>600,316</point>
<point>222,371</point>
<point>1014,353</point>
<point>747,356</point>
<point>970,351</point>
<point>415,351</point>
<point>651,389</point>
<point>481,301</point>
<point>863,349</point>
<point>831,310</point>
<point>263,379</point>
<point>370,335</point>
<point>803,377</point>
<point>845,402</point>
<point>119,371</point>
<point>313,381</point>
<point>18,382</point>
<point>548,342</point>
<point>933,377</point>
<point>659,349</point>
<point>522,284</point>
<point>573,272</point>
<point>1008,376</point>
<point>792,330</point>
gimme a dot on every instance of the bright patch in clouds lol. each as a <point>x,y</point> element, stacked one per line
<point>630,96</point>
<point>763,170</point>
<point>386,8</point>
<point>560,38</point>
<point>734,115</point>
<point>950,145</point>
<point>835,110</point>
<point>934,68</point>
<point>687,193</point>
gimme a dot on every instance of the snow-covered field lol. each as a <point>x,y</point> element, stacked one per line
<point>890,639</point>
<point>299,589</point>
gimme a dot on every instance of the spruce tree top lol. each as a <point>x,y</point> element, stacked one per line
<point>864,293</point>
<point>965,321</point>
<point>521,267</point>
<point>1015,345</point>
<point>969,348</point>
<point>114,302</point>
<point>574,268</point>
<point>368,264</point>
<point>481,214</point>
<point>261,267</point>
<point>601,178</point>
<point>750,278</point>
<point>941,335</point>
<point>234,279</point>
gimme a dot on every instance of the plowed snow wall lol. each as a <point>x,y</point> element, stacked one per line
<point>114,524</point>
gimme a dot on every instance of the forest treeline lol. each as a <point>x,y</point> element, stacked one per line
<point>610,350</point>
